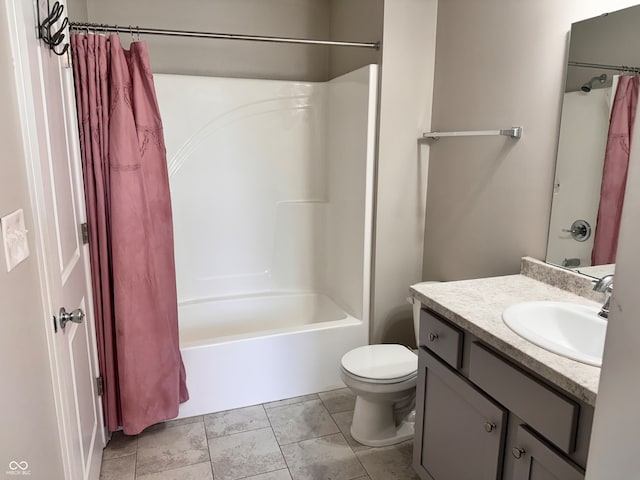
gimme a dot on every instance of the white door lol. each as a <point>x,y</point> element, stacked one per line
<point>45,90</point>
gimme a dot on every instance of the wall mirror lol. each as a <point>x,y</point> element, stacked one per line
<point>602,50</point>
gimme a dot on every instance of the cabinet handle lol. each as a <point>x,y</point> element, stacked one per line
<point>489,427</point>
<point>517,452</point>
<point>433,337</point>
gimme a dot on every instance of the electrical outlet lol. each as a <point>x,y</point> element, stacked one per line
<point>14,238</point>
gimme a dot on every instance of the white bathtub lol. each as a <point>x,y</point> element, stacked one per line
<point>244,351</point>
<point>237,318</point>
<point>272,196</point>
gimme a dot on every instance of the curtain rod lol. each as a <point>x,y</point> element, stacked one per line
<point>98,27</point>
<point>619,68</point>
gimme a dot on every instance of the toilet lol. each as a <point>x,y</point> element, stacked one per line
<point>383,378</point>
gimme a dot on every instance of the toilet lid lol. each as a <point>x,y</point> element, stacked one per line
<point>380,362</point>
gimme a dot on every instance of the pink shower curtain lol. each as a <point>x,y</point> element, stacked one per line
<point>614,175</point>
<point>130,231</point>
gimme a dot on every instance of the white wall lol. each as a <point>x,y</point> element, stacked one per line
<point>27,413</point>
<point>499,63</point>
<point>613,452</point>
<point>248,183</point>
<point>350,143</point>
<point>269,182</point>
<point>405,112</point>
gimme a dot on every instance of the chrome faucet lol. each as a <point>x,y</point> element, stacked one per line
<point>604,285</point>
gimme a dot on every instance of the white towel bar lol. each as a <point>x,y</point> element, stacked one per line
<point>513,132</point>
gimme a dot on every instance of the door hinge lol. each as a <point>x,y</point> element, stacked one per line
<point>100,386</point>
<point>84,227</point>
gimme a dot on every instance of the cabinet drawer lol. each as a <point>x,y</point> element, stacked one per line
<point>441,338</point>
<point>550,413</point>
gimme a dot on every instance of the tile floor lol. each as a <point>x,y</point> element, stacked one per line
<point>302,438</point>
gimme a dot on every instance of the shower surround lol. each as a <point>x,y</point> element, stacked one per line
<point>272,186</point>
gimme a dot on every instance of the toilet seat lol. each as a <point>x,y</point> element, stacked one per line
<point>390,381</point>
<point>386,363</point>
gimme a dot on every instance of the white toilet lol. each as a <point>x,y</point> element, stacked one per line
<point>383,378</point>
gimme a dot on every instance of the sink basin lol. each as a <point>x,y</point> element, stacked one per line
<point>568,329</point>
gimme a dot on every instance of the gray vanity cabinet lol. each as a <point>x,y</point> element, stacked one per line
<point>479,416</point>
<point>461,430</point>
<point>536,461</point>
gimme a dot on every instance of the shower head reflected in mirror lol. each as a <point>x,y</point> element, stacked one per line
<point>589,85</point>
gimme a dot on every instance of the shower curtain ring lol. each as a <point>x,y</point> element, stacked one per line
<point>138,32</point>
<point>131,32</point>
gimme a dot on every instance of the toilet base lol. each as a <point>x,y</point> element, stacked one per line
<point>404,432</point>
<point>375,424</point>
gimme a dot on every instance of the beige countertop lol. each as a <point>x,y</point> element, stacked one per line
<point>477,305</point>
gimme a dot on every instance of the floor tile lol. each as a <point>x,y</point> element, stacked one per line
<point>244,454</point>
<point>277,475</point>
<point>171,448</point>
<point>389,462</point>
<point>290,401</point>
<point>340,400</point>
<point>120,445</point>
<point>324,458</point>
<point>235,421</point>
<point>301,421</point>
<point>343,420</point>
<point>173,423</point>
<point>119,468</point>
<point>199,471</point>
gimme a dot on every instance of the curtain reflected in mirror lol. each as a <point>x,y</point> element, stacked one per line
<point>598,113</point>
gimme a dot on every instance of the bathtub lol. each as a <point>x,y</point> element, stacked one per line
<point>272,196</point>
<point>244,351</point>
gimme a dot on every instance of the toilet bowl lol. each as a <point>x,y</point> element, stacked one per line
<point>383,378</point>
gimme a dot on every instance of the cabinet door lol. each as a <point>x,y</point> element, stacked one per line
<point>536,461</point>
<point>459,431</point>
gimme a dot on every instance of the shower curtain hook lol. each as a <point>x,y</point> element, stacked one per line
<point>138,32</point>
<point>131,32</point>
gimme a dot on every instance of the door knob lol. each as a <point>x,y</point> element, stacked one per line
<point>76,316</point>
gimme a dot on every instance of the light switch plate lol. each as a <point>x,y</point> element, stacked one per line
<point>14,238</point>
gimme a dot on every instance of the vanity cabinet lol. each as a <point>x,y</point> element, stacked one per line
<point>461,430</point>
<point>480,416</point>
